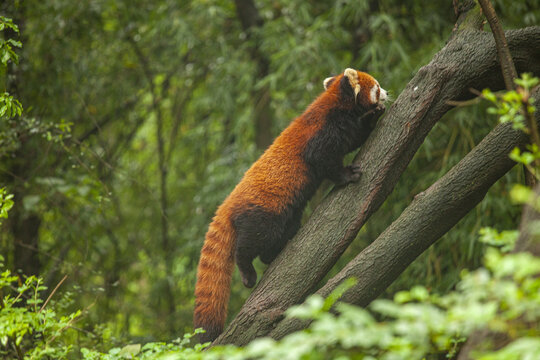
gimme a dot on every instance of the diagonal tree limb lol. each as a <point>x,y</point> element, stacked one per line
<point>431,214</point>
<point>468,60</point>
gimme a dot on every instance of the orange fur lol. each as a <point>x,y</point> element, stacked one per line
<point>271,184</point>
<point>278,173</point>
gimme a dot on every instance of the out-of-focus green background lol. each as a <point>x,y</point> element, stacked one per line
<point>141,116</point>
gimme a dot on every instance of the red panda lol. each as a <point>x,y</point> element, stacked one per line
<point>264,210</point>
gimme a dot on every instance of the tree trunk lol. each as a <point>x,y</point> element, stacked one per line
<point>25,230</point>
<point>468,60</point>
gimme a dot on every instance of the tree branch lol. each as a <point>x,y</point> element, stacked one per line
<point>431,214</point>
<point>507,65</point>
<point>113,115</point>
<point>509,70</point>
<point>468,60</point>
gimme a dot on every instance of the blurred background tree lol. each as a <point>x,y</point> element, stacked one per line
<point>140,117</point>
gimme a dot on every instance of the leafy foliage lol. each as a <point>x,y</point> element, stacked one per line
<point>6,46</point>
<point>416,324</point>
<point>27,326</point>
<point>6,203</point>
<point>510,107</point>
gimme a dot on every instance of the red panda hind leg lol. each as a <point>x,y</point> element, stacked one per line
<point>245,254</point>
<point>257,231</point>
<point>291,228</point>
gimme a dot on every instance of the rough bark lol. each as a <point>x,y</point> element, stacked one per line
<point>431,214</point>
<point>468,60</point>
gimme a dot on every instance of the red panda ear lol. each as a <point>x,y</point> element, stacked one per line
<point>352,76</point>
<point>328,81</point>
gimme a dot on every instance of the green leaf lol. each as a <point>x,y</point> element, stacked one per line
<point>504,239</point>
<point>488,95</point>
<point>527,81</point>
<point>525,157</point>
<point>521,194</point>
<point>338,292</point>
<point>130,351</point>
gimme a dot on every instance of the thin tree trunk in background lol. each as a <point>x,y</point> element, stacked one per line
<point>25,232</point>
<point>529,239</point>
<point>166,247</point>
<point>503,53</point>
<point>509,73</point>
<point>164,207</point>
<point>24,225</point>
<point>251,20</point>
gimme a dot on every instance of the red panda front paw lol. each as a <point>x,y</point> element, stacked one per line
<point>353,173</point>
<point>348,174</point>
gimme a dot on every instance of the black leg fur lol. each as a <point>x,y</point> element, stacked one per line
<point>291,228</point>
<point>256,231</point>
<point>244,259</point>
<point>346,175</point>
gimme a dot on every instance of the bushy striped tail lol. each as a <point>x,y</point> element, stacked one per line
<point>214,275</point>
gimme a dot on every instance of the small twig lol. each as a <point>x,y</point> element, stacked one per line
<point>467,102</point>
<point>68,325</point>
<point>464,103</point>
<point>52,293</point>
<point>89,333</point>
<point>20,354</point>
<point>19,295</point>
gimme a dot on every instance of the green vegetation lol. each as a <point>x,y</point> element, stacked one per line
<point>501,297</point>
<point>124,124</point>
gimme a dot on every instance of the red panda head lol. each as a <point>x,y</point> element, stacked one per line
<point>358,86</point>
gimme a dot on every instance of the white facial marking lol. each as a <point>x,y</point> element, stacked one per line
<point>383,95</point>
<point>373,94</point>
